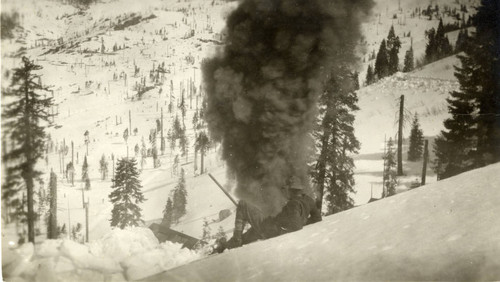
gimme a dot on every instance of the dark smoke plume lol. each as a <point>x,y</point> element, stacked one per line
<point>262,89</point>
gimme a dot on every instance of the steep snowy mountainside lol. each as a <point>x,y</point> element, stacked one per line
<point>443,231</point>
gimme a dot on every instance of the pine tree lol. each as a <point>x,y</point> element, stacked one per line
<point>369,75</point>
<point>393,46</point>
<point>202,144</point>
<point>438,45</point>
<point>416,141</point>
<point>409,61</point>
<point>52,218</point>
<point>26,118</point>
<point>180,198</point>
<point>103,167</point>
<point>462,38</point>
<point>486,53</point>
<point>382,61</point>
<point>390,180</point>
<point>472,134</point>
<point>126,195</point>
<point>85,169</point>
<point>167,213</point>
<point>334,168</point>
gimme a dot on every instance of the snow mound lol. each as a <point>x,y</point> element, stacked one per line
<point>446,231</point>
<point>122,243</point>
<point>120,255</point>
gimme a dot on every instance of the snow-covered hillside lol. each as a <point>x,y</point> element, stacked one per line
<point>95,89</point>
<point>425,91</point>
<point>444,231</point>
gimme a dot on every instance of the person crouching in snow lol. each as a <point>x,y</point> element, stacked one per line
<point>300,210</point>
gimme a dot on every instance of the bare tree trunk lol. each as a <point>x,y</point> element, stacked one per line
<point>400,136</point>
<point>202,167</point>
<point>426,157</point>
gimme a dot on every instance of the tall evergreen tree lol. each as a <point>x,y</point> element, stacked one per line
<point>438,45</point>
<point>126,195</point>
<point>393,46</point>
<point>416,141</point>
<point>25,120</point>
<point>472,135</point>
<point>462,38</point>
<point>390,180</point>
<point>382,61</point>
<point>202,144</point>
<point>180,198</point>
<point>485,54</point>
<point>333,171</point>
<point>409,63</point>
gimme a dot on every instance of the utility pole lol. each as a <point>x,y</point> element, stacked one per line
<point>426,157</point>
<point>400,136</point>
<point>162,141</point>
<point>86,205</point>
<point>383,172</point>
<point>129,122</point>
<point>63,153</point>
<point>69,220</point>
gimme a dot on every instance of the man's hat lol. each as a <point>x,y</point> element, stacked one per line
<point>294,183</point>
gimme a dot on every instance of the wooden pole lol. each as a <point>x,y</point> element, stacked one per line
<point>63,153</point>
<point>426,157</point>
<point>69,220</point>
<point>129,122</point>
<point>400,136</point>
<point>87,204</point>
<point>162,142</point>
<point>383,172</point>
<point>223,190</point>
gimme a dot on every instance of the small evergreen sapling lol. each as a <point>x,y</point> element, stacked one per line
<point>390,180</point>
<point>103,167</point>
<point>416,141</point>
<point>85,169</point>
<point>167,213</point>
<point>180,198</point>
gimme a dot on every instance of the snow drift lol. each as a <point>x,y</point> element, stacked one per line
<point>444,231</point>
<point>121,255</point>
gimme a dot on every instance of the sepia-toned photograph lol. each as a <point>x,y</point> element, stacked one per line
<point>250,140</point>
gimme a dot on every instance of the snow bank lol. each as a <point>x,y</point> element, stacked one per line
<point>120,255</point>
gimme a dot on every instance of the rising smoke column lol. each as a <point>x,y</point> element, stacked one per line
<point>262,89</point>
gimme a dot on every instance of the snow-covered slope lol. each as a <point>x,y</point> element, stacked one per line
<point>425,91</point>
<point>444,231</point>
